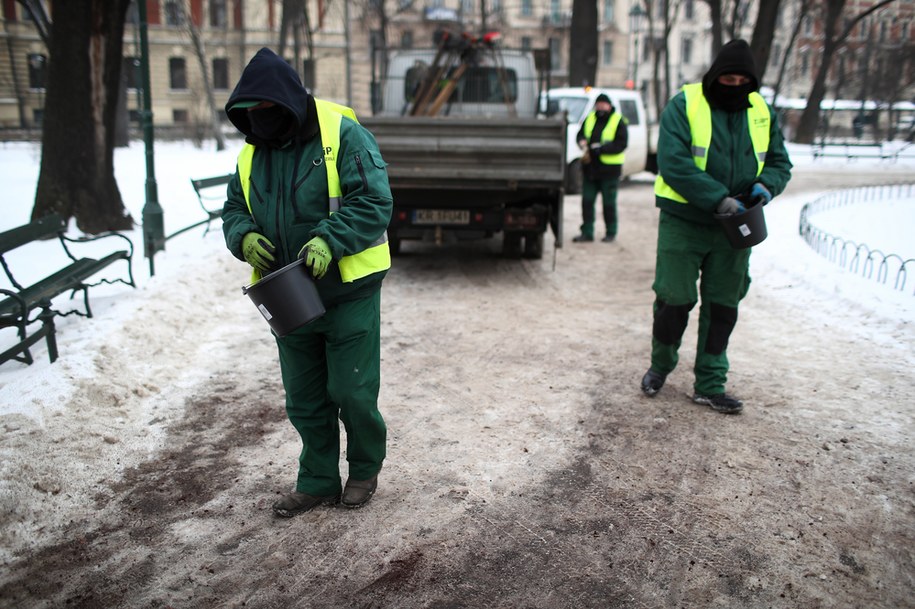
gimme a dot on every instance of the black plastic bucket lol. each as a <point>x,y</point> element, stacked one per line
<point>745,229</point>
<point>287,298</point>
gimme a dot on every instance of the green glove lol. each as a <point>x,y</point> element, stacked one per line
<point>317,255</point>
<point>258,251</point>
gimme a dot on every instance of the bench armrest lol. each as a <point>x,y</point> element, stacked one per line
<point>65,239</point>
<point>23,308</point>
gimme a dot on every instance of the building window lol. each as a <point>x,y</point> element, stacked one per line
<point>805,63</point>
<point>173,12</point>
<point>554,54</point>
<point>606,57</point>
<point>177,73</point>
<point>525,43</point>
<point>555,11</point>
<point>406,39</point>
<point>686,50</point>
<point>527,8</point>
<point>131,69</point>
<point>219,17</point>
<point>308,74</point>
<point>38,70</point>
<point>133,14</point>
<point>775,55</point>
<point>9,10</point>
<point>221,73</point>
<point>179,116</point>
<point>496,6</point>
<point>608,10</point>
<point>808,25</point>
<point>689,10</point>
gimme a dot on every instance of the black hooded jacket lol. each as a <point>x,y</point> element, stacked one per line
<point>735,57</point>
<point>268,77</point>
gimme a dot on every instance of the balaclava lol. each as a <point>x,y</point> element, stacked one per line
<point>734,58</point>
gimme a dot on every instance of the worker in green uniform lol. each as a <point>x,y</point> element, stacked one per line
<point>603,137</point>
<point>311,184</point>
<point>719,146</point>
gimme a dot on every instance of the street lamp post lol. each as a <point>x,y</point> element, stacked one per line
<point>153,221</point>
<point>636,13</point>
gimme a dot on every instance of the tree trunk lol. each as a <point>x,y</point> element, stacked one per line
<point>76,178</point>
<point>583,43</point>
<point>716,19</point>
<point>763,32</point>
<point>212,114</point>
<point>810,118</point>
<point>831,42</point>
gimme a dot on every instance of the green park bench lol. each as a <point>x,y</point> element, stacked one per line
<point>18,304</point>
<point>208,194</point>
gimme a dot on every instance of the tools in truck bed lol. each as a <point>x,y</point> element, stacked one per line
<point>455,54</point>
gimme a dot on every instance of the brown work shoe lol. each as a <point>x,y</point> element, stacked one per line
<point>356,493</point>
<point>297,503</point>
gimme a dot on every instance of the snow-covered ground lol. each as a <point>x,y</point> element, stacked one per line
<point>783,259</point>
<point>138,470</point>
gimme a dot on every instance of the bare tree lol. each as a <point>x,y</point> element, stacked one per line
<point>76,178</point>
<point>763,33</point>
<point>212,113</point>
<point>666,12</point>
<point>714,7</point>
<point>803,9</point>
<point>831,43</point>
<point>583,43</point>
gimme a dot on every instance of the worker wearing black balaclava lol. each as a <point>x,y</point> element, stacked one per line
<point>603,138</point>
<point>719,149</point>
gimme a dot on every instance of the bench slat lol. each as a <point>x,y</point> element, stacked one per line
<point>39,229</point>
<point>63,280</point>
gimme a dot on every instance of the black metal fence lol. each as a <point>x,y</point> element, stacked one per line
<point>859,258</point>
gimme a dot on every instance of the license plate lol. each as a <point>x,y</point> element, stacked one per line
<point>441,216</point>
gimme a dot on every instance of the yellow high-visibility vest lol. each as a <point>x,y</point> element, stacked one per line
<point>376,257</point>
<point>699,114</point>
<point>607,135</point>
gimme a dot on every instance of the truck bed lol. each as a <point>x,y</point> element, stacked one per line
<point>471,153</point>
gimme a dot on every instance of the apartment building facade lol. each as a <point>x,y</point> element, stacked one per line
<point>340,55</point>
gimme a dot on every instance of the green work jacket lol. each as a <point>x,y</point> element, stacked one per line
<point>732,164</point>
<point>290,204</point>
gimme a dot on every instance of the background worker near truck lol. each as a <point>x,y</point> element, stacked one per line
<point>603,138</point>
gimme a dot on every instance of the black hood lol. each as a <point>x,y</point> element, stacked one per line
<point>268,77</point>
<point>734,58</point>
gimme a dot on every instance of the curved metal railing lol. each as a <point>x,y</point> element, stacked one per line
<point>858,258</point>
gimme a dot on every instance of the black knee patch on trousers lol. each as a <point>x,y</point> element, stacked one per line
<point>723,320</point>
<point>670,321</point>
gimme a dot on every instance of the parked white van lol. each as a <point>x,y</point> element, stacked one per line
<point>577,102</point>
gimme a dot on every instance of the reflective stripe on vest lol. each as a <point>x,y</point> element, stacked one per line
<point>607,135</point>
<point>376,257</point>
<point>699,114</point>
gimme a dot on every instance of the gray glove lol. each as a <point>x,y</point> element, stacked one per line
<point>730,206</point>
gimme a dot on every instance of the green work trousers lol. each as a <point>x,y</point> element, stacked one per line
<point>687,253</point>
<point>332,372</point>
<point>589,189</point>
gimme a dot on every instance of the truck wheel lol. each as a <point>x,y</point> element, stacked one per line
<point>511,244</point>
<point>573,178</point>
<point>533,246</point>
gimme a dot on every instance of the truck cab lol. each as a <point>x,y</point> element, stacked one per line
<point>577,102</point>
